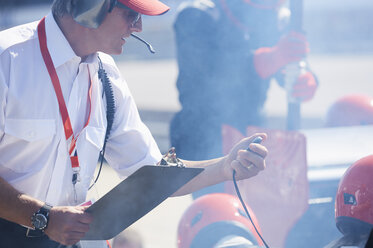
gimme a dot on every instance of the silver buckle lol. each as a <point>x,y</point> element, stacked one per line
<point>36,234</point>
<point>170,159</point>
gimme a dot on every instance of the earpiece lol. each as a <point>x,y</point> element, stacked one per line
<point>90,13</point>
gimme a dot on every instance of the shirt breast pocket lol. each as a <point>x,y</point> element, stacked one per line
<point>27,144</point>
<point>30,130</point>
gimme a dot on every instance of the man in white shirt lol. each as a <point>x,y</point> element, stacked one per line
<point>53,119</point>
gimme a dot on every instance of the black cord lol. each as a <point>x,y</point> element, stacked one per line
<point>99,170</point>
<point>110,111</point>
<point>244,206</point>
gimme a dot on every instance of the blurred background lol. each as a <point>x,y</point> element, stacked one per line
<point>340,33</point>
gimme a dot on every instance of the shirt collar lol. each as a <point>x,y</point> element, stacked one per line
<point>58,46</point>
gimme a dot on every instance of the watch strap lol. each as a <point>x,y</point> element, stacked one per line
<point>44,210</point>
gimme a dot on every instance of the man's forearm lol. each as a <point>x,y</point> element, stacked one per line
<point>246,162</point>
<point>15,206</point>
<point>212,174</point>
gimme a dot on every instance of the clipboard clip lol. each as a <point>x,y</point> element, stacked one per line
<point>170,159</point>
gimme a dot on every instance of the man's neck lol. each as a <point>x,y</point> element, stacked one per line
<point>77,36</point>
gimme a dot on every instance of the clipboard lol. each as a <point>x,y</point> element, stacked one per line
<point>134,197</point>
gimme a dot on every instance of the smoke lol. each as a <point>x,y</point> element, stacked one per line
<point>339,28</point>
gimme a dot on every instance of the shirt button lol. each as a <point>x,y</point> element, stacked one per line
<point>31,134</point>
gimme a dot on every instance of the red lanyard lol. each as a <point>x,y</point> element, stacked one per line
<point>70,138</point>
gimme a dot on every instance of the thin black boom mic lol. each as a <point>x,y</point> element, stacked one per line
<point>146,43</point>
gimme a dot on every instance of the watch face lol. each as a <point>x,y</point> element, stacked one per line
<point>39,221</point>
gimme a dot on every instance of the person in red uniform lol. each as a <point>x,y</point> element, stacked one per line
<point>228,51</point>
<point>354,206</point>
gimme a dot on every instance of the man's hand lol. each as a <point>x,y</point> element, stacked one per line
<point>305,87</point>
<point>291,48</point>
<point>68,224</point>
<point>246,163</point>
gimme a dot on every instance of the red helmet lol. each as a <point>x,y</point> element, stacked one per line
<point>354,201</point>
<point>265,4</point>
<point>351,110</point>
<point>212,217</point>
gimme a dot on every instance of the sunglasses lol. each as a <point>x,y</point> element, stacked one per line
<point>133,16</point>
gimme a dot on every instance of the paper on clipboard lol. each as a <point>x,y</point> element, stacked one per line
<point>134,197</point>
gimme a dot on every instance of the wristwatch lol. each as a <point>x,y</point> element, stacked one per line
<point>40,219</point>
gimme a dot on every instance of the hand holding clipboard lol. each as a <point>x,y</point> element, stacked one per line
<point>134,197</point>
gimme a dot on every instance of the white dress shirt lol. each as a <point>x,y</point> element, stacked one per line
<point>33,150</point>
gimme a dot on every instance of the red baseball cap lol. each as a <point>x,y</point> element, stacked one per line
<point>146,7</point>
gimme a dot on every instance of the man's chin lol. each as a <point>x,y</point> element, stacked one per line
<point>116,51</point>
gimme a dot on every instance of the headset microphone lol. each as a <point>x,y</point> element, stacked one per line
<point>146,43</point>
